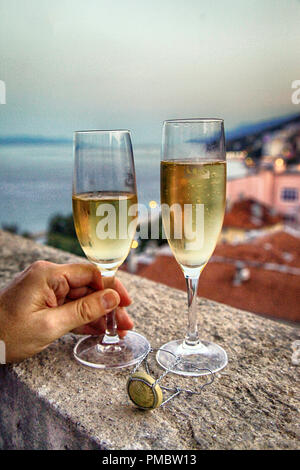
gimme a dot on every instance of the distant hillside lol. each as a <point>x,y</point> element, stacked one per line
<point>262,126</point>
<point>33,140</point>
<point>249,137</point>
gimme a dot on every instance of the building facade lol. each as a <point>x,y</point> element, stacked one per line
<point>281,191</point>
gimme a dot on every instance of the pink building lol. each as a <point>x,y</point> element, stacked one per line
<point>278,190</point>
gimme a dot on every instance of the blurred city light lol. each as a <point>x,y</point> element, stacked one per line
<point>279,164</point>
<point>152,204</point>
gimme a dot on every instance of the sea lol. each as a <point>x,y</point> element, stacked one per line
<point>36,182</point>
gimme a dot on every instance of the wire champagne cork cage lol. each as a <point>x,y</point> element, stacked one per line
<point>146,392</point>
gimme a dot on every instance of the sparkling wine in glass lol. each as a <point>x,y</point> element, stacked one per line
<point>105,216</point>
<point>193,195</point>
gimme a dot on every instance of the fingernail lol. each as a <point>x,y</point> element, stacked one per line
<point>109,300</point>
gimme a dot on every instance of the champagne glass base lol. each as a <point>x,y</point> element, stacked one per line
<point>195,359</point>
<point>128,351</point>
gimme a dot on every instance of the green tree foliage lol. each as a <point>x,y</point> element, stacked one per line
<point>62,224</point>
<point>13,228</point>
<point>61,234</point>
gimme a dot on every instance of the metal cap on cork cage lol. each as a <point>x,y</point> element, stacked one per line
<point>142,393</point>
<point>145,392</point>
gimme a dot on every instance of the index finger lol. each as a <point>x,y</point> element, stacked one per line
<point>125,300</point>
<point>87,275</point>
<point>82,275</point>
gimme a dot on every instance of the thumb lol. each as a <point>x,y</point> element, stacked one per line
<point>82,311</point>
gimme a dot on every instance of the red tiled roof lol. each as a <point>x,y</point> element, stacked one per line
<point>282,242</point>
<point>280,248</point>
<point>267,292</point>
<point>242,215</point>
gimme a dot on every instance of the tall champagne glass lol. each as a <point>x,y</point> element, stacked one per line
<point>193,190</point>
<point>105,216</point>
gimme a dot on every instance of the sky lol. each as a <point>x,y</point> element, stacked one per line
<point>103,64</point>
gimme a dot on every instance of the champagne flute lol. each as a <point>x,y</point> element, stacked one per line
<point>105,217</point>
<point>193,193</point>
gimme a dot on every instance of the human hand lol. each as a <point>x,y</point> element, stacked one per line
<point>48,300</point>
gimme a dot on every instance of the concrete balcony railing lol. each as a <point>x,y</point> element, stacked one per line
<point>50,402</point>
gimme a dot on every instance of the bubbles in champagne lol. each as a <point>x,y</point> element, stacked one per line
<point>192,184</point>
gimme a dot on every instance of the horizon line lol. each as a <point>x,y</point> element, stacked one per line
<point>39,139</point>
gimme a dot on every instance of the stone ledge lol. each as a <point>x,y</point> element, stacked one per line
<point>50,402</point>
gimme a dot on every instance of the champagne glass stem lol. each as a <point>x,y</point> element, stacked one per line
<point>111,336</point>
<point>111,324</point>
<point>192,336</point>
